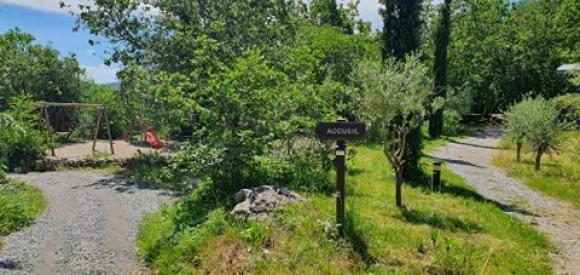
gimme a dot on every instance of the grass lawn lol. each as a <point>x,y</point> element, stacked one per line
<point>453,232</point>
<point>560,174</point>
<point>20,204</point>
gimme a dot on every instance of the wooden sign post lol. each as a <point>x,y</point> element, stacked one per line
<point>341,131</point>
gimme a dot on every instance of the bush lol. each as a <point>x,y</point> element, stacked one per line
<point>457,105</point>
<point>299,171</point>
<point>569,107</point>
<point>22,143</point>
<point>452,123</point>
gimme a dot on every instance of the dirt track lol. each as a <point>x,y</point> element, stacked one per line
<point>89,227</point>
<point>560,221</point>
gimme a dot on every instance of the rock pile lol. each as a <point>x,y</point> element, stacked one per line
<point>259,201</point>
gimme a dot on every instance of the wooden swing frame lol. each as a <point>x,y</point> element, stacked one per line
<point>101,108</point>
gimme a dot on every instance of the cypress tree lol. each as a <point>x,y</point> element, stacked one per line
<point>401,27</point>
<point>442,33</point>
<point>401,36</point>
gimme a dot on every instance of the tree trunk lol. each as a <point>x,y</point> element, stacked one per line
<point>539,154</point>
<point>398,194</point>
<point>519,151</point>
<point>436,124</point>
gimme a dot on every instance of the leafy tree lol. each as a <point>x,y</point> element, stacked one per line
<point>502,52</point>
<point>442,33</point>
<point>567,23</point>
<point>395,97</point>
<point>326,12</point>
<point>195,38</point>
<point>401,37</point>
<point>516,120</point>
<point>540,127</point>
<point>39,71</point>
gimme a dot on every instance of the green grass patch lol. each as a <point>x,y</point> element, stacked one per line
<point>455,231</point>
<point>20,204</point>
<point>560,173</point>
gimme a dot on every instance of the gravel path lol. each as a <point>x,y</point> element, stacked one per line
<point>472,158</point>
<point>89,227</point>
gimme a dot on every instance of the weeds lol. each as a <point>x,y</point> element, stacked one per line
<point>20,204</point>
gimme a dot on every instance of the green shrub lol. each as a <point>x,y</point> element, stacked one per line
<point>21,142</point>
<point>452,123</point>
<point>569,107</point>
<point>457,104</point>
<point>302,170</point>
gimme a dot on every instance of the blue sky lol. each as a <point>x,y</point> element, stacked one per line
<point>50,24</point>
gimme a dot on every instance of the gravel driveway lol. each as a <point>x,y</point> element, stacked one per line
<point>89,227</point>
<point>560,221</point>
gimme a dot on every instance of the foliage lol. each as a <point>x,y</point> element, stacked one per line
<point>396,98</point>
<point>325,12</point>
<point>455,231</point>
<point>195,38</point>
<point>503,52</point>
<point>401,29</point>
<point>569,107</point>
<point>442,33</point>
<point>560,175</point>
<point>116,111</point>
<point>21,143</point>
<point>19,205</point>
<point>28,68</point>
<point>401,37</point>
<point>534,121</point>
<point>160,101</point>
<point>457,104</point>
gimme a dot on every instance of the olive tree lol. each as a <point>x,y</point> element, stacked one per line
<point>516,120</point>
<point>395,96</point>
<point>542,127</point>
<point>535,122</point>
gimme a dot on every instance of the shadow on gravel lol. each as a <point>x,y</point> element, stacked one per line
<point>455,161</point>
<point>489,133</point>
<point>10,265</point>
<point>123,186</point>
<point>475,145</point>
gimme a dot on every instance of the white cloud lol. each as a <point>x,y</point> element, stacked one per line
<point>102,73</point>
<point>47,5</point>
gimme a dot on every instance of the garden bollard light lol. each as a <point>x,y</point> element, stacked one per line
<point>436,181</point>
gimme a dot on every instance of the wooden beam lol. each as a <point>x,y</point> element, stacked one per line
<point>104,110</point>
<point>97,131</point>
<point>48,128</point>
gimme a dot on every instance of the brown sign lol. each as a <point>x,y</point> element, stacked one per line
<point>341,130</point>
